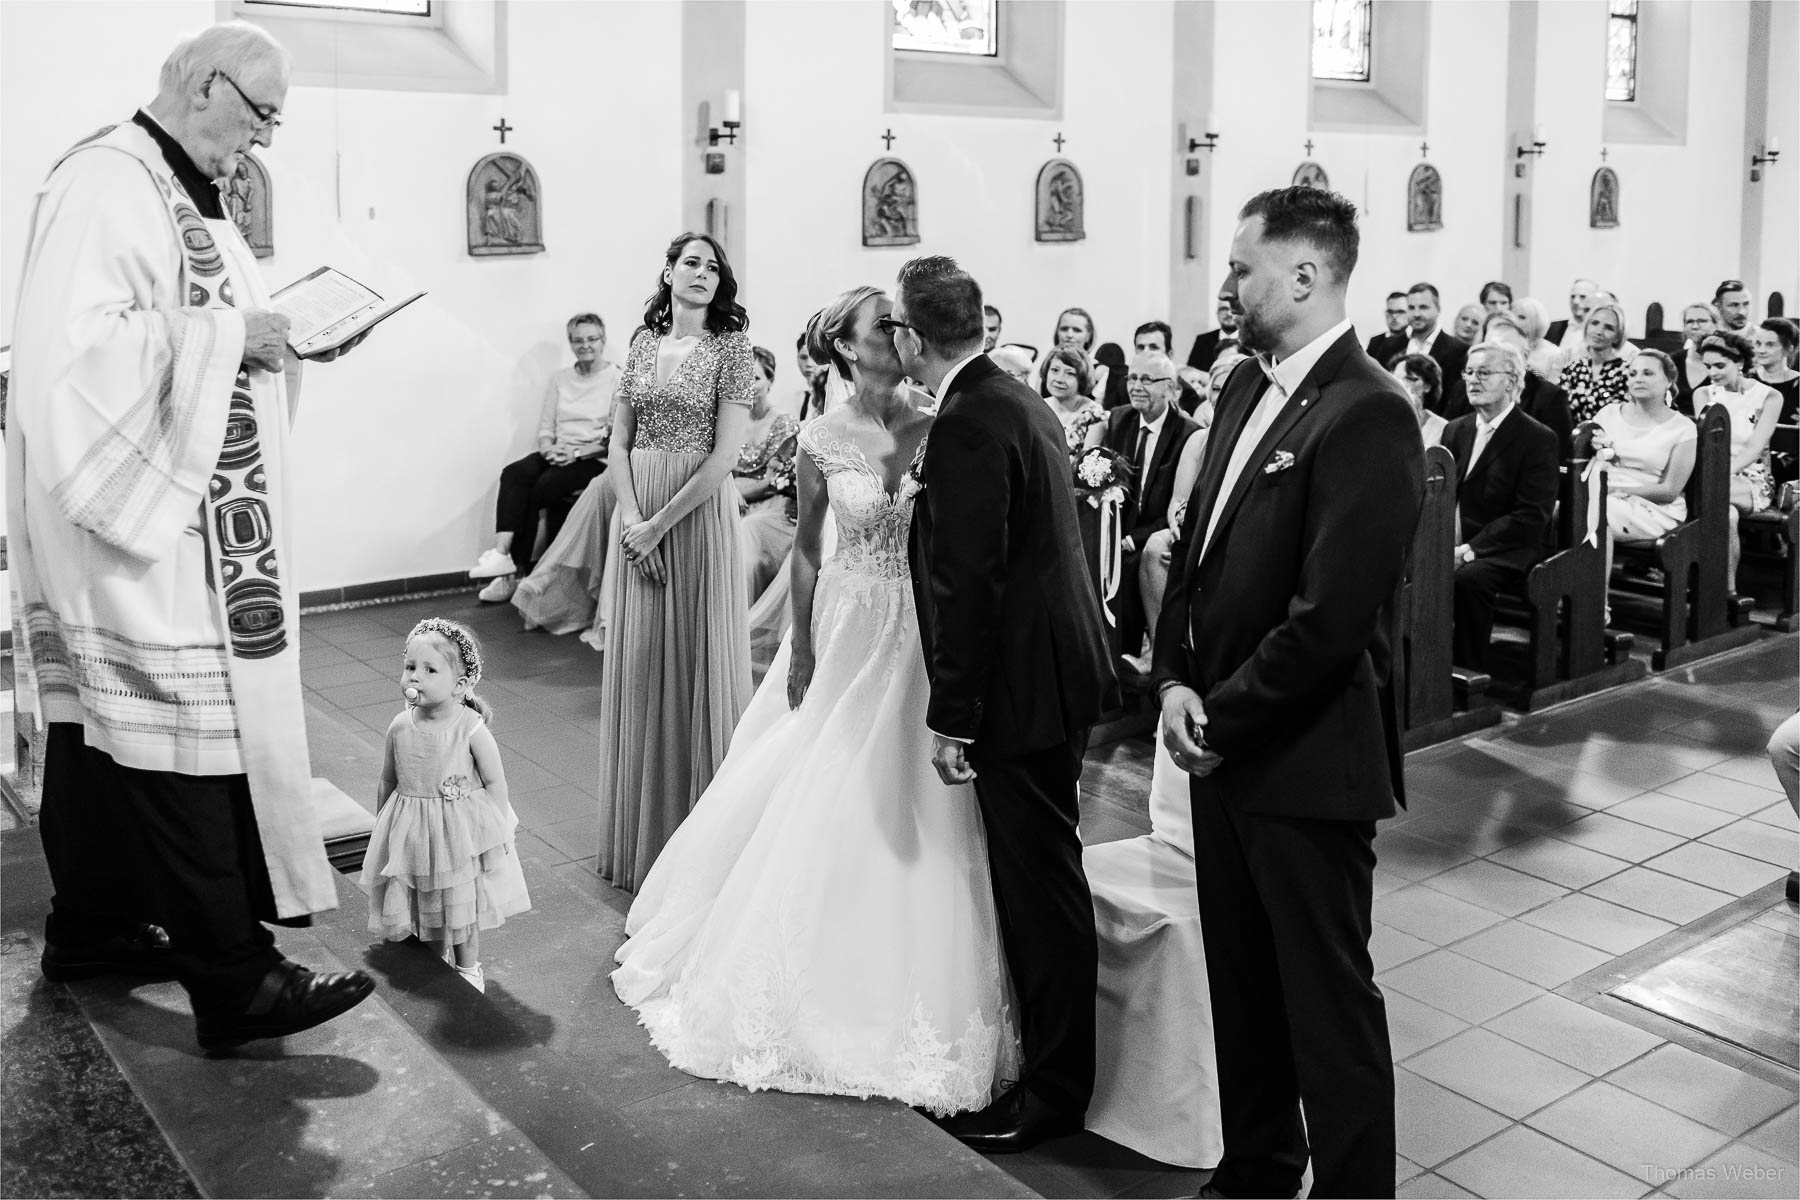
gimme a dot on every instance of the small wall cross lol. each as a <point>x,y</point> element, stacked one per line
<point>502,129</point>
<point>1309,147</point>
<point>1603,154</point>
<point>1059,140</point>
<point>887,139</point>
<point>1424,149</point>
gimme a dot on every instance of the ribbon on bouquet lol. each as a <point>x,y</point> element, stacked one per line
<point>1112,556</point>
<point>1594,475</point>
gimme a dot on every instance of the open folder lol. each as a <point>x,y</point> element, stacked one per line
<point>328,308</point>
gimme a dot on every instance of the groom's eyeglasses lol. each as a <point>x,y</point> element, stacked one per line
<point>887,325</point>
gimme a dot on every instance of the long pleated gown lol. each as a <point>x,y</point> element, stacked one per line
<point>676,673</point>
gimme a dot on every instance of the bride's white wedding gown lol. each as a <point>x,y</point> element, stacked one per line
<point>823,920</point>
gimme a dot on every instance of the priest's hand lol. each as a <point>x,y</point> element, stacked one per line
<point>347,347</point>
<point>265,339</point>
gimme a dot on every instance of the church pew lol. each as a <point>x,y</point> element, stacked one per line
<point>1436,702</point>
<point>1568,651</point>
<point>1693,608</point>
<point>1773,535</point>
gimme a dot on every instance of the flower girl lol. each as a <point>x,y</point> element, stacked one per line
<point>441,864</point>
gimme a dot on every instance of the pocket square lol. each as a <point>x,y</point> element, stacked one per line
<point>1281,460</point>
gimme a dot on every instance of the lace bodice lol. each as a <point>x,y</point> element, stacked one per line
<point>681,413</point>
<point>873,524</point>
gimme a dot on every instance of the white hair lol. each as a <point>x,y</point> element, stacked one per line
<point>1514,360</point>
<point>1011,358</point>
<point>237,48</point>
<point>1537,318</point>
<point>1155,357</point>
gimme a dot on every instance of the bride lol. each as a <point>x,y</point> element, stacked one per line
<point>823,920</point>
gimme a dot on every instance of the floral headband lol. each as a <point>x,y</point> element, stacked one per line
<point>457,636</point>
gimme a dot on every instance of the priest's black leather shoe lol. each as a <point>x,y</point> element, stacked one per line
<point>1017,1121</point>
<point>143,953</point>
<point>290,998</point>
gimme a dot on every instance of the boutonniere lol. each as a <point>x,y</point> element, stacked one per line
<point>913,482</point>
<point>1280,461</point>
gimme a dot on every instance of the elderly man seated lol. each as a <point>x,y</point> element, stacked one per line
<point>571,451</point>
<point>1507,463</point>
<point>1150,433</point>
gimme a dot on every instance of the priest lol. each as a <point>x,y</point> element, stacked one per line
<point>152,391</point>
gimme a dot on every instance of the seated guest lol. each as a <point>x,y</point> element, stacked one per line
<point>990,328</point>
<point>1424,384</point>
<point>1153,560</point>
<point>573,428</point>
<point>1731,300</point>
<point>1649,450</point>
<point>1546,357</point>
<point>1595,377</point>
<point>1150,433</point>
<point>1541,400</point>
<point>1109,376</point>
<point>1507,463</point>
<point>1015,360</point>
<point>1567,334</point>
<point>1157,338</point>
<point>1075,331</point>
<point>1206,346</point>
<point>764,476</point>
<point>1698,322</point>
<point>1755,410</point>
<point>813,378</point>
<point>1426,338</point>
<point>1497,297</point>
<point>1392,341</point>
<point>1772,346</point>
<point>1196,394</point>
<point>1467,326</point>
<point>1066,379</point>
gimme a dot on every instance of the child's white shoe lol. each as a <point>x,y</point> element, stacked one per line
<point>474,977</point>
<point>499,589</point>
<point>595,636</point>
<point>491,563</point>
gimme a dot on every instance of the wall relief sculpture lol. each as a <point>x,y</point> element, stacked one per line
<point>1311,174</point>
<point>1425,199</point>
<point>247,200</point>
<point>890,205</point>
<point>1061,203</point>
<point>505,207</point>
<point>1603,199</point>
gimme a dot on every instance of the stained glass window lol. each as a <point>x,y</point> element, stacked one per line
<point>401,8</point>
<point>947,26</point>
<point>1341,30</point>
<point>1621,50</point>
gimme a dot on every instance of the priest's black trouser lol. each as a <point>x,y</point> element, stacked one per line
<point>127,846</point>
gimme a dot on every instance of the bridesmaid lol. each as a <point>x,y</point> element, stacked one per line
<point>676,675</point>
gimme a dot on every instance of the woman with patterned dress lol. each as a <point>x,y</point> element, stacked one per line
<point>764,474</point>
<point>1595,377</point>
<point>824,920</point>
<point>677,671</point>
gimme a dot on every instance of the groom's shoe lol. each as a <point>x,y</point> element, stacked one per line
<point>1017,1121</point>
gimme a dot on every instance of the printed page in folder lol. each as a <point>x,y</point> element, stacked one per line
<point>328,308</point>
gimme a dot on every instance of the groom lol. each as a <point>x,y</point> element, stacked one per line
<point>1273,664</point>
<point>1014,647</point>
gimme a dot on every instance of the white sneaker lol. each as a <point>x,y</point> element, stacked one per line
<point>491,563</point>
<point>474,977</point>
<point>499,590</point>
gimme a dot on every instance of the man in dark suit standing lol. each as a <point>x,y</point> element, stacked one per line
<point>1150,433</point>
<point>1273,665</point>
<point>1392,343</point>
<point>1016,652</point>
<point>1206,346</point>
<point>1424,337</point>
<point>1508,466</point>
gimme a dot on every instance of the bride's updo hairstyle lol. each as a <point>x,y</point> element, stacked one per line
<point>836,320</point>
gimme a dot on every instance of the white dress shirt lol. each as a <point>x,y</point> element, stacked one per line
<point>1285,379</point>
<point>943,387</point>
<point>1484,433</point>
<point>1422,343</point>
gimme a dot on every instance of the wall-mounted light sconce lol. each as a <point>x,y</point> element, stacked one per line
<point>734,120</point>
<point>1209,140</point>
<point>1536,149</point>
<point>1771,152</point>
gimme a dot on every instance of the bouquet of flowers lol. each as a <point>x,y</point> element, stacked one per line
<point>1102,475</point>
<point>779,474</point>
<point>1077,431</point>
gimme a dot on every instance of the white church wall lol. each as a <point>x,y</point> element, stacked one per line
<point>1680,206</point>
<point>813,114</point>
<point>1778,194</point>
<point>398,447</point>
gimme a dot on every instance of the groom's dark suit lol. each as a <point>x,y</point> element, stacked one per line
<point>1280,623</point>
<point>1016,652</point>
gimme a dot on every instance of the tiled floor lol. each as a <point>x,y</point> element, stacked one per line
<point>1529,856</point>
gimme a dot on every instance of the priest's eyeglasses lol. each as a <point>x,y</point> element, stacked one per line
<point>264,114</point>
